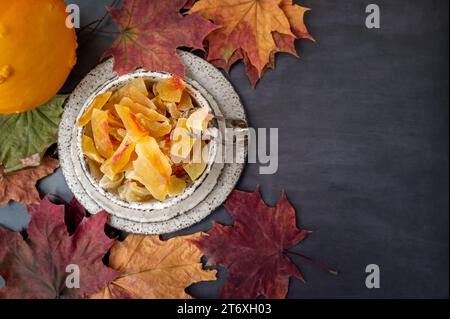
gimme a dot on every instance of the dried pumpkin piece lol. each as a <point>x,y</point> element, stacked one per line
<point>111,184</point>
<point>181,141</point>
<point>88,131</point>
<point>118,162</point>
<point>160,106</point>
<point>155,88</point>
<point>152,168</point>
<point>110,107</point>
<point>114,120</point>
<point>94,168</point>
<point>195,170</point>
<point>151,114</point>
<point>131,123</point>
<point>164,145</point>
<point>132,191</point>
<point>185,102</point>
<point>155,129</point>
<point>140,98</point>
<point>138,93</point>
<point>100,131</point>
<point>138,84</point>
<point>122,132</point>
<point>171,89</point>
<point>154,181</point>
<point>173,110</point>
<point>149,148</point>
<point>98,103</point>
<point>89,150</point>
<point>176,185</point>
<point>114,132</point>
<point>199,120</point>
<point>130,174</point>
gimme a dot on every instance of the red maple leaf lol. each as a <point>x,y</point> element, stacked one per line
<point>34,265</point>
<point>150,33</point>
<point>254,249</point>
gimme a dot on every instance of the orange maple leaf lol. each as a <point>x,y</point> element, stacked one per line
<point>252,30</point>
<point>154,269</point>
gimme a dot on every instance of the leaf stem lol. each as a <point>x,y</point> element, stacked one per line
<point>104,32</point>
<point>97,23</point>
<point>80,31</point>
<point>105,15</point>
<point>315,262</point>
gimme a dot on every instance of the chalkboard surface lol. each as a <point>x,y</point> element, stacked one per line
<point>363,141</point>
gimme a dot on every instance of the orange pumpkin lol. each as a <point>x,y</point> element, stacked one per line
<point>37,52</point>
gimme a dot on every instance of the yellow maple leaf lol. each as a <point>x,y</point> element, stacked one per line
<point>155,269</point>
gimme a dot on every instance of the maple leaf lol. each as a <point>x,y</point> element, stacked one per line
<point>150,33</point>
<point>20,186</point>
<point>295,14</point>
<point>34,266</point>
<point>74,212</point>
<point>252,30</point>
<point>155,269</point>
<point>254,249</point>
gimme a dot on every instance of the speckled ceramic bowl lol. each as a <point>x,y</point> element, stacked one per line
<point>210,89</point>
<point>139,211</point>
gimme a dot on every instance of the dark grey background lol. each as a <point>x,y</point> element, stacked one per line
<point>363,118</point>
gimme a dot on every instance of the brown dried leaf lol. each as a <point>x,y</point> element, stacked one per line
<point>20,186</point>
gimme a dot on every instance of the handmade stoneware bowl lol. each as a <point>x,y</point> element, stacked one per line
<point>152,210</point>
<point>153,217</point>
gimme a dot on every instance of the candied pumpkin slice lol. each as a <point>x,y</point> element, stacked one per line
<point>111,184</point>
<point>134,191</point>
<point>138,84</point>
<point>176,185</point>
<point>155,129</point>
<point>160,106</point>
<point>199,120</point>
<point>182,142</point>
<point>115,133</point>
<point>171,89</point>
<point>195,170</point>
<point>185,102</point>
<point>131,123</point>
<point>151,114</point>
<point>114,120</point>
<point>94,168</point>
<point>98,103</point>
<point>100,131</point>
<point>119,161</point>
<point>89,150</point>
<point>148,148</point>
<point>155,182</point>
<point>88,131</point>
<point>152,168</point>
<point>173,110</point>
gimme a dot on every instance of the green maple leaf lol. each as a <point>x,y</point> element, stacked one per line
<point>24,137</point>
